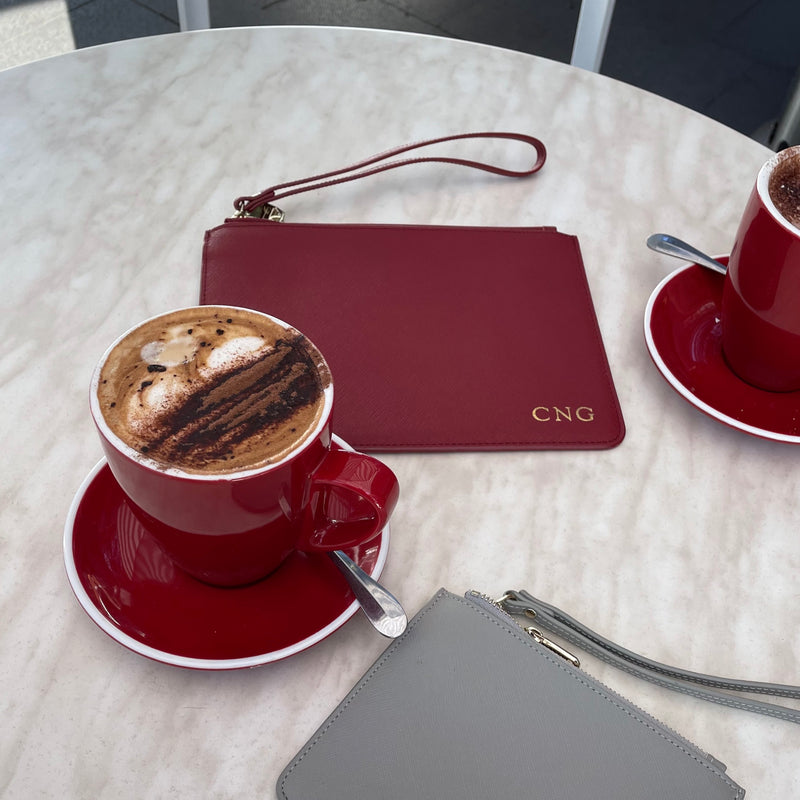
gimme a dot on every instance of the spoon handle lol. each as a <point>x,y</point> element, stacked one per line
<point>381,607</point>
<point>671,246</point>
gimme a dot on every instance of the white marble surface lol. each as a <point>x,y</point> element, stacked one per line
<point>680,543</point>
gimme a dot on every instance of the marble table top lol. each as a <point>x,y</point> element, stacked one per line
<point>680,543</point>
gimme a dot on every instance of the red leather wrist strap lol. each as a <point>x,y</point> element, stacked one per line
<point>250,206</point>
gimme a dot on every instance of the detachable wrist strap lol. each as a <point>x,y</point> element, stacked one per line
<point>260,205</point>
<point>696,684</point>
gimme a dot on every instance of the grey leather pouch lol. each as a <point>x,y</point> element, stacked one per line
<point>466,705</point>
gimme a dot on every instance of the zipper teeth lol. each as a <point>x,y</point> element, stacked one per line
<point>495,607</point>
<point>680,737</point>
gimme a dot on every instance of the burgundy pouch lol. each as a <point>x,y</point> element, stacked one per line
<point>438,337</point>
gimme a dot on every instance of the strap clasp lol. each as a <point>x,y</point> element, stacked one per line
<point>265,211</point>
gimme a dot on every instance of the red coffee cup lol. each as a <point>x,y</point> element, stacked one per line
<point>761,294</point>
<point>235,528</point>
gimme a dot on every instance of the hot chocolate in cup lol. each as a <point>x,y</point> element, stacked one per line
<point>211,391</point>
<point>784,185</point>
<point>761,295</point>
<point>216,423</point>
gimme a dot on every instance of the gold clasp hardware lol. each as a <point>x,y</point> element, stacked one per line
<point>539,637</point>
<point>501,601</point>
<point>268,212</point>
<point>536,634</point>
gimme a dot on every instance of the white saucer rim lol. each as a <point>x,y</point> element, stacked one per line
<point>678,385</point>
<point>188,662</point>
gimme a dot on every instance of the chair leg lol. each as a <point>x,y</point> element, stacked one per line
<point>193,15</point>
<point>589,46</point>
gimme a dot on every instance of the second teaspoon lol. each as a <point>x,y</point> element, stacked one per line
<point>671,246</point>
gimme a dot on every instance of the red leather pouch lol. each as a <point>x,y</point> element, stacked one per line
<point>439,337</point>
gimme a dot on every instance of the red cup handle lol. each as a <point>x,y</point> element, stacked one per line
<point>352,497</point>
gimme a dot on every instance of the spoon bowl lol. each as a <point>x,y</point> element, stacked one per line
<point>379,605</point>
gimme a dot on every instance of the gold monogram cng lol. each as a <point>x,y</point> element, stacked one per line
<point>563,414</point>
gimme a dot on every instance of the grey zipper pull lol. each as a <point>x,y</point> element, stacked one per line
<point>539,637</point>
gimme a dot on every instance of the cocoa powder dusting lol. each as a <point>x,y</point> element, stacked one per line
<point>240,391</point>
<point>252,406</point>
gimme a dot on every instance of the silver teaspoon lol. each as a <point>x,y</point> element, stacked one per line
<point>669,245</point>
<point>381,607</point>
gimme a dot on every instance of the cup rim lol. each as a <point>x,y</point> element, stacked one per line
<point>156,466</point>
<point>762,186</point>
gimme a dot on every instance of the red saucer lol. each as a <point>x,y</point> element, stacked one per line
<point>132,590</point>
<point>684,337</point>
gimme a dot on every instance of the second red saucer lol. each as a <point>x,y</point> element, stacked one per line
<point>684,336</point>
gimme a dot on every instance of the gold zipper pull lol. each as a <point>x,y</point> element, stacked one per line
<point>539,637</point>
<point>266,211</point>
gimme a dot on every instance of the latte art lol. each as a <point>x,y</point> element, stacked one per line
<point>213,390</point>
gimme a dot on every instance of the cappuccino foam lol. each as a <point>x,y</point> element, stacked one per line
<point>213,390</point>
<point>784,186</point>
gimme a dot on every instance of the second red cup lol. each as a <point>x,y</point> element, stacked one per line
<point>761,295</point>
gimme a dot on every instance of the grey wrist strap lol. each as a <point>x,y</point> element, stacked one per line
<point>696,684</point>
